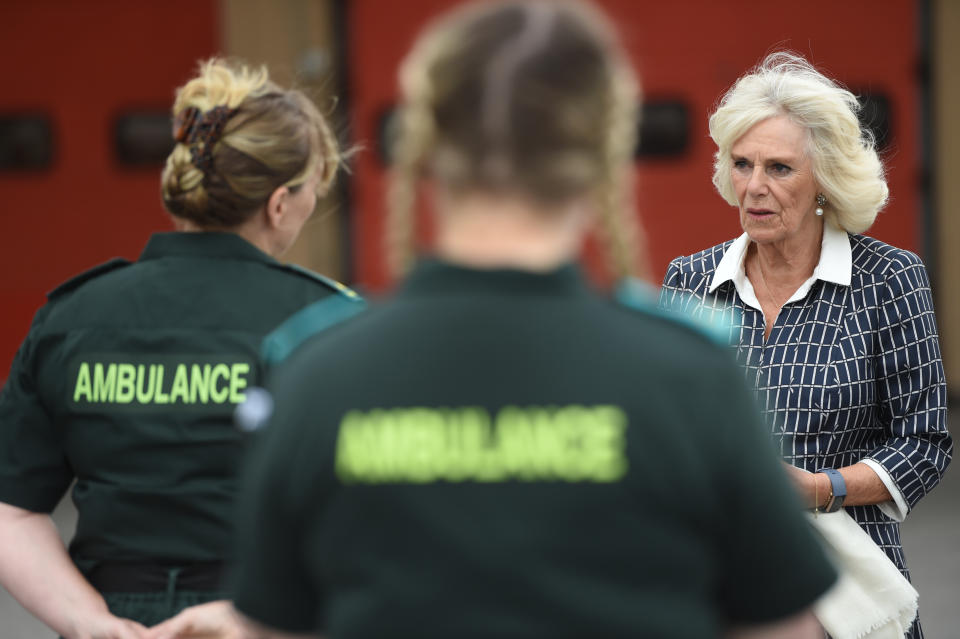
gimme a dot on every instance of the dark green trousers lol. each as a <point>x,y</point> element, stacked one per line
<point>150,608</point>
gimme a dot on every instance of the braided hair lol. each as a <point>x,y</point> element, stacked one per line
<point>535,98</point>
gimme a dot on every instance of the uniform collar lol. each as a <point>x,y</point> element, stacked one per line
<point>203,244</point>
<point>835,265</point>
<point>433,276</point>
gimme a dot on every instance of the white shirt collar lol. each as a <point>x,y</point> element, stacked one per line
<point>835,265</point>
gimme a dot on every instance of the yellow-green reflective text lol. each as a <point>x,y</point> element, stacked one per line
<point>126,383</point>
<point>420,445</point>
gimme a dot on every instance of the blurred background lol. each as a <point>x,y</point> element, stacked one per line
<point>84,130</point>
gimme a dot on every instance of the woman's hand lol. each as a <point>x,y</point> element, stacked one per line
<point>104,625</point>
<point>214,620</point>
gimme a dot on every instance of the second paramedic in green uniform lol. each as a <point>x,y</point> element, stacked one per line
<point>128,379</point>
<point>499,451</point>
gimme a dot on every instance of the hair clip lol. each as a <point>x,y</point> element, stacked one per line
<point>201,131</point>
<point>184,124</point>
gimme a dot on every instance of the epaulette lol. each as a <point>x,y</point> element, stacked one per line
<point>307,322</point>
<point>640,296</point>
<point>322,279</point>
<point>75,282</point>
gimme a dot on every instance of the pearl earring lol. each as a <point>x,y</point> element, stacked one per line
<point>821,200</point>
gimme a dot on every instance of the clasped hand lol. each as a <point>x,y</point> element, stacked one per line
<point>214,620</point>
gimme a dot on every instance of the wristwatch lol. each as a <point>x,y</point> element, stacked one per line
<point>838,490</point>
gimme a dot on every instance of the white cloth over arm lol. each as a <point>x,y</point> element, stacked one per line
<point>871,599</point>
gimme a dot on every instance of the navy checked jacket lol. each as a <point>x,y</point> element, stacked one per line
<point>848,372</point>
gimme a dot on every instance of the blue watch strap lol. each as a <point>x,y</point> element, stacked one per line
<point>838,489</point>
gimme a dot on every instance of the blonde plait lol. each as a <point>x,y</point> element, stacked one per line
<point>410,152</point>
<point>620,229</point>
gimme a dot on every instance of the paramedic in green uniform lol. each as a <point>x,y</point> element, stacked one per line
<point>499,451</point>
<point>129,376</point>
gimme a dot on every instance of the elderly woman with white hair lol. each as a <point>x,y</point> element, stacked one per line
<point>836,330</point>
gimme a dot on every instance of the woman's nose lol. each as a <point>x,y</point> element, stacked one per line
<point>757,184</point>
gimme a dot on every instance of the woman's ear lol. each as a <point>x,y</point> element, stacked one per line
<point>277,206</point>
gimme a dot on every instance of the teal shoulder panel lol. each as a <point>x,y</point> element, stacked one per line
<point>330,283</point>
<point>78,280</point>
<point>306,323</point>
<point>640,296</point>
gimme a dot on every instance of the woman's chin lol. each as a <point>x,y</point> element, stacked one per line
<point>762,235</point>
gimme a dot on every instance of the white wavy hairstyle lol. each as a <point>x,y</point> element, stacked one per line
<point>845,163</point>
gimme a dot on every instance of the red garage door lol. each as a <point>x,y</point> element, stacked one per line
<point>72,69</point>
<point>688,53</point>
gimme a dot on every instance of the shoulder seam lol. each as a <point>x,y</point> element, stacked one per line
<point>688,263</point>
<point>78,280</point>
<point>328,282</point>
<point>893,259</point>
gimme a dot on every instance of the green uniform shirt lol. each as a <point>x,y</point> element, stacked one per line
<point>127,382</point>
<point>505,454</point>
